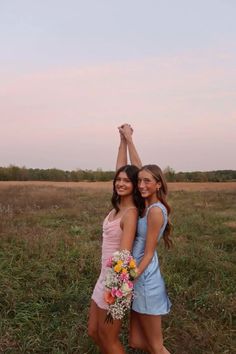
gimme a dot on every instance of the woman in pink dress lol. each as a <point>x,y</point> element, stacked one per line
<point>119,228</point>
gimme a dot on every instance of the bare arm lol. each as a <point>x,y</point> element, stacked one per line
<point>122,152</point>
<point>128,225</point>
<point>154,223</point>
<point>133,154</point>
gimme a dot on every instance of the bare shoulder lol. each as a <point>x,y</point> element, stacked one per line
<point>131,214</point>
<point>155,213</point>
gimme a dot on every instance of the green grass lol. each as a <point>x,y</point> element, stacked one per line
<point>50,260</point>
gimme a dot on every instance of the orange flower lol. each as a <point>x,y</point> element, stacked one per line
<point>109,299</point>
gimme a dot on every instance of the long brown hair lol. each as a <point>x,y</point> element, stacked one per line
<point>157,173</point>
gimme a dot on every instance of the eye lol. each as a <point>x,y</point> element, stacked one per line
<point>127,180</point>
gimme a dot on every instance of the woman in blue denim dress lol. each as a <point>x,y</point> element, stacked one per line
<point>150,297</point>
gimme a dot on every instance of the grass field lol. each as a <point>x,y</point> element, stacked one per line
<point>50,260</point>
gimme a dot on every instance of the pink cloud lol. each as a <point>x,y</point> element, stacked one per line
<point>171,101</point>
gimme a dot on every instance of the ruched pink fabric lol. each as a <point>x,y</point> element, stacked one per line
<point>111,243</point>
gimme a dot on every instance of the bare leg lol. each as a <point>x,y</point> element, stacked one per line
<point>93,324</point>
<point>136,336</point>
<point>108,334</point>
<point>150,325</point>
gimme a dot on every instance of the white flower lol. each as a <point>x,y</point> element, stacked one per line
<point>125,288</point>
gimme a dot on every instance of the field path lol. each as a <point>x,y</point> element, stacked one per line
<point>174,186</point>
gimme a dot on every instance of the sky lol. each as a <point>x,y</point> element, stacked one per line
<point>72,71</point>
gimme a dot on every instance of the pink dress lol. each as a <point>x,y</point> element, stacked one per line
<point>111,243</point>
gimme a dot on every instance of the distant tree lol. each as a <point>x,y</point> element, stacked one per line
<point>3,174</point>
<point>169,173</point>
<point>15,173</point>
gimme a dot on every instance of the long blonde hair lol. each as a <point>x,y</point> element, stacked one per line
<point>157,173</point>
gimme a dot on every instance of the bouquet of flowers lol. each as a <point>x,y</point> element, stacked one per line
<point>121,271</point>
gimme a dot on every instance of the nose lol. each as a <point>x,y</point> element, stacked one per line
<point>141,184</point>
<point>120,182</point>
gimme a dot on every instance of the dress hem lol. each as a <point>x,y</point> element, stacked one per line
<point>153,314</point>
<point>98,305</point>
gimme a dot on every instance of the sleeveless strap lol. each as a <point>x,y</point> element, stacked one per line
<point>121,216</point>
<point>159,205</point>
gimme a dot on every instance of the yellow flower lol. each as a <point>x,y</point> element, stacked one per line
<point>132,263</point>
<point>117,268</point>
<point>124,271</point>
<point>120,263</point>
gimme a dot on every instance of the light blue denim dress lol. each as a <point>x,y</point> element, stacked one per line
<point>150,296</point>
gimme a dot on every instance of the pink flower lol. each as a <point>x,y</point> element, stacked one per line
<point>130,284</point>
<point>119,293</point>
<point>124,277</point>
<point>113,292</point>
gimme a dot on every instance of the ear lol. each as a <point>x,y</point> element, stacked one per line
<point>158,185</point>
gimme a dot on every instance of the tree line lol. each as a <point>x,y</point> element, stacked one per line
<point>15,173</point>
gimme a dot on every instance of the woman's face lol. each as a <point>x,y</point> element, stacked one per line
<point>147,184</point>
<point>123,185</point>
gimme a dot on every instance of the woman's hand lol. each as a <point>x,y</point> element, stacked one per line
<point>122,137</point>
<point>122,151</point>
<point>126,132</point>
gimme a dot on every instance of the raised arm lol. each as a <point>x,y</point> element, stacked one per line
<point>122,152</point>
<point>127,131</point>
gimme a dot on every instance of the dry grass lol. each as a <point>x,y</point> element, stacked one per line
<point>50,259</point>
<point>174,186</point>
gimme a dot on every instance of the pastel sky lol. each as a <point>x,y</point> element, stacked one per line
<point>72,71</point>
